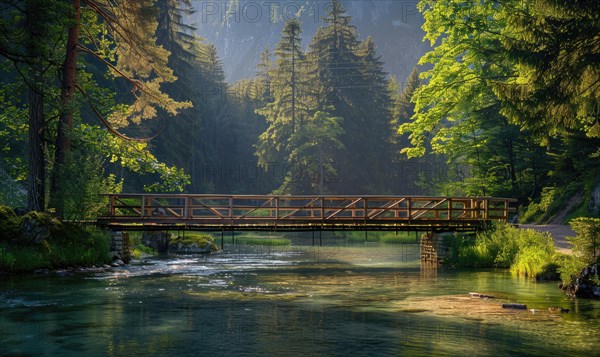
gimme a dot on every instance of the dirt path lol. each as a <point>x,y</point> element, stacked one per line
<point>558,232</point>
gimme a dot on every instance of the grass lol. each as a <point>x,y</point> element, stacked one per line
<point>254,240</point>
<point>138,251</point>
<point>78,247</point>
<point>526,253</point>
<point>65,245</point>
<point>381,237</point>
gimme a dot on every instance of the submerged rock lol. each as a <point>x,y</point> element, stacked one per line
<point>557,309</point>
<point>117,263</point>
<point>482,296</point>
<point>514,306</point>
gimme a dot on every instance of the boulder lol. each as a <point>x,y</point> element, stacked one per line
<point>586,284</point>
<point>37,227</point>
<point>191,248</point>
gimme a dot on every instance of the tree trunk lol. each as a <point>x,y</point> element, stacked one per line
<point>36,176</point>
<point>65,123</point>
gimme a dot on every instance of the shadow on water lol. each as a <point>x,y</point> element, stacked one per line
<point>296,300</point>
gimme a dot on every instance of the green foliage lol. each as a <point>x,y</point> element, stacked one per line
<point>69,246</point>
<point>586,245</point>
<point>540,212</point>
<point>570,267</point>
<point>200,239</point>
<point>381,237</point>
<point>10,225</point>
<point>312,150</point>
<point>138,251</point>
<point>457,113</point>
<point>526,252</point>
<point>86,179</point>
<point>555,89</point>
<point>251,240</point>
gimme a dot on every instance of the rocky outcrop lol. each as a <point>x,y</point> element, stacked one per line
<point>37,227</point>
<point>191,248</point>
<point>594,205</point>
<point>586,284</point>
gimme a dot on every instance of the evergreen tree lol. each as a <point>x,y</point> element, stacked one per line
<point>351,80</point>
<point>556,88</point>
<point>264,72</point>
<point>288,111</point>
<point>312,151</point>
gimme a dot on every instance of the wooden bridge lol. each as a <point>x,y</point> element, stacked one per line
<point>302,213</point>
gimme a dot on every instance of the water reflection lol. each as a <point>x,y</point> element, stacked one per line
<point>298,300</point>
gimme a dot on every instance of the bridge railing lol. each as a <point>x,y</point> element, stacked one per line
<point>257,209</point>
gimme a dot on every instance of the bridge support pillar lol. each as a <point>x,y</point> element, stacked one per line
<point>156,240</point>
<point>119,246</point>
<point>433,248</point>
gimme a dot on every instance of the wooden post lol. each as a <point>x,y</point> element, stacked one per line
<point>486,208</point>
<point>186,203</point>
<point>322,209</point>
<point>111,209</point>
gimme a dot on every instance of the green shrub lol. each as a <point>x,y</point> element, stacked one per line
<point>10,224</point>
<point>569,267</point>
<point>550,202</point>
<point>534,261</point>
<point>70,245</point>
<point>586,245</point>
<point>138,251</point>
<point>526,252</point>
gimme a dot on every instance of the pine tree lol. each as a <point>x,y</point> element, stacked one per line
<point>555,47</point>
<point>350,78</point>
<point>264,72</point>
<point>288,111</point>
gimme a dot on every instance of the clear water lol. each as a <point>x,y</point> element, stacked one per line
<point>256,301</point>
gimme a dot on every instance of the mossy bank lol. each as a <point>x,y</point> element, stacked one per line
<point>37,240</point>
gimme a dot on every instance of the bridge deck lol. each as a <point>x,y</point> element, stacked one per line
<point>281,213</point>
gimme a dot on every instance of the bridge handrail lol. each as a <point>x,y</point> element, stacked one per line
<point>238,209</point>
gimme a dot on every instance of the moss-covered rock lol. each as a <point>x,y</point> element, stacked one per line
<point>586,284</point>
<point>38,227</point>
<point>192,244</point>
<point>10,224</point>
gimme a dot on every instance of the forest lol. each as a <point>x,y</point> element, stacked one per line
<point>103,96</point>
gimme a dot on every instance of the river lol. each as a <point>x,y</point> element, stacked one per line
<point>334,300</point>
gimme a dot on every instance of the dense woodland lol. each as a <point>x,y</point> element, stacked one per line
<point>105,96</point>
